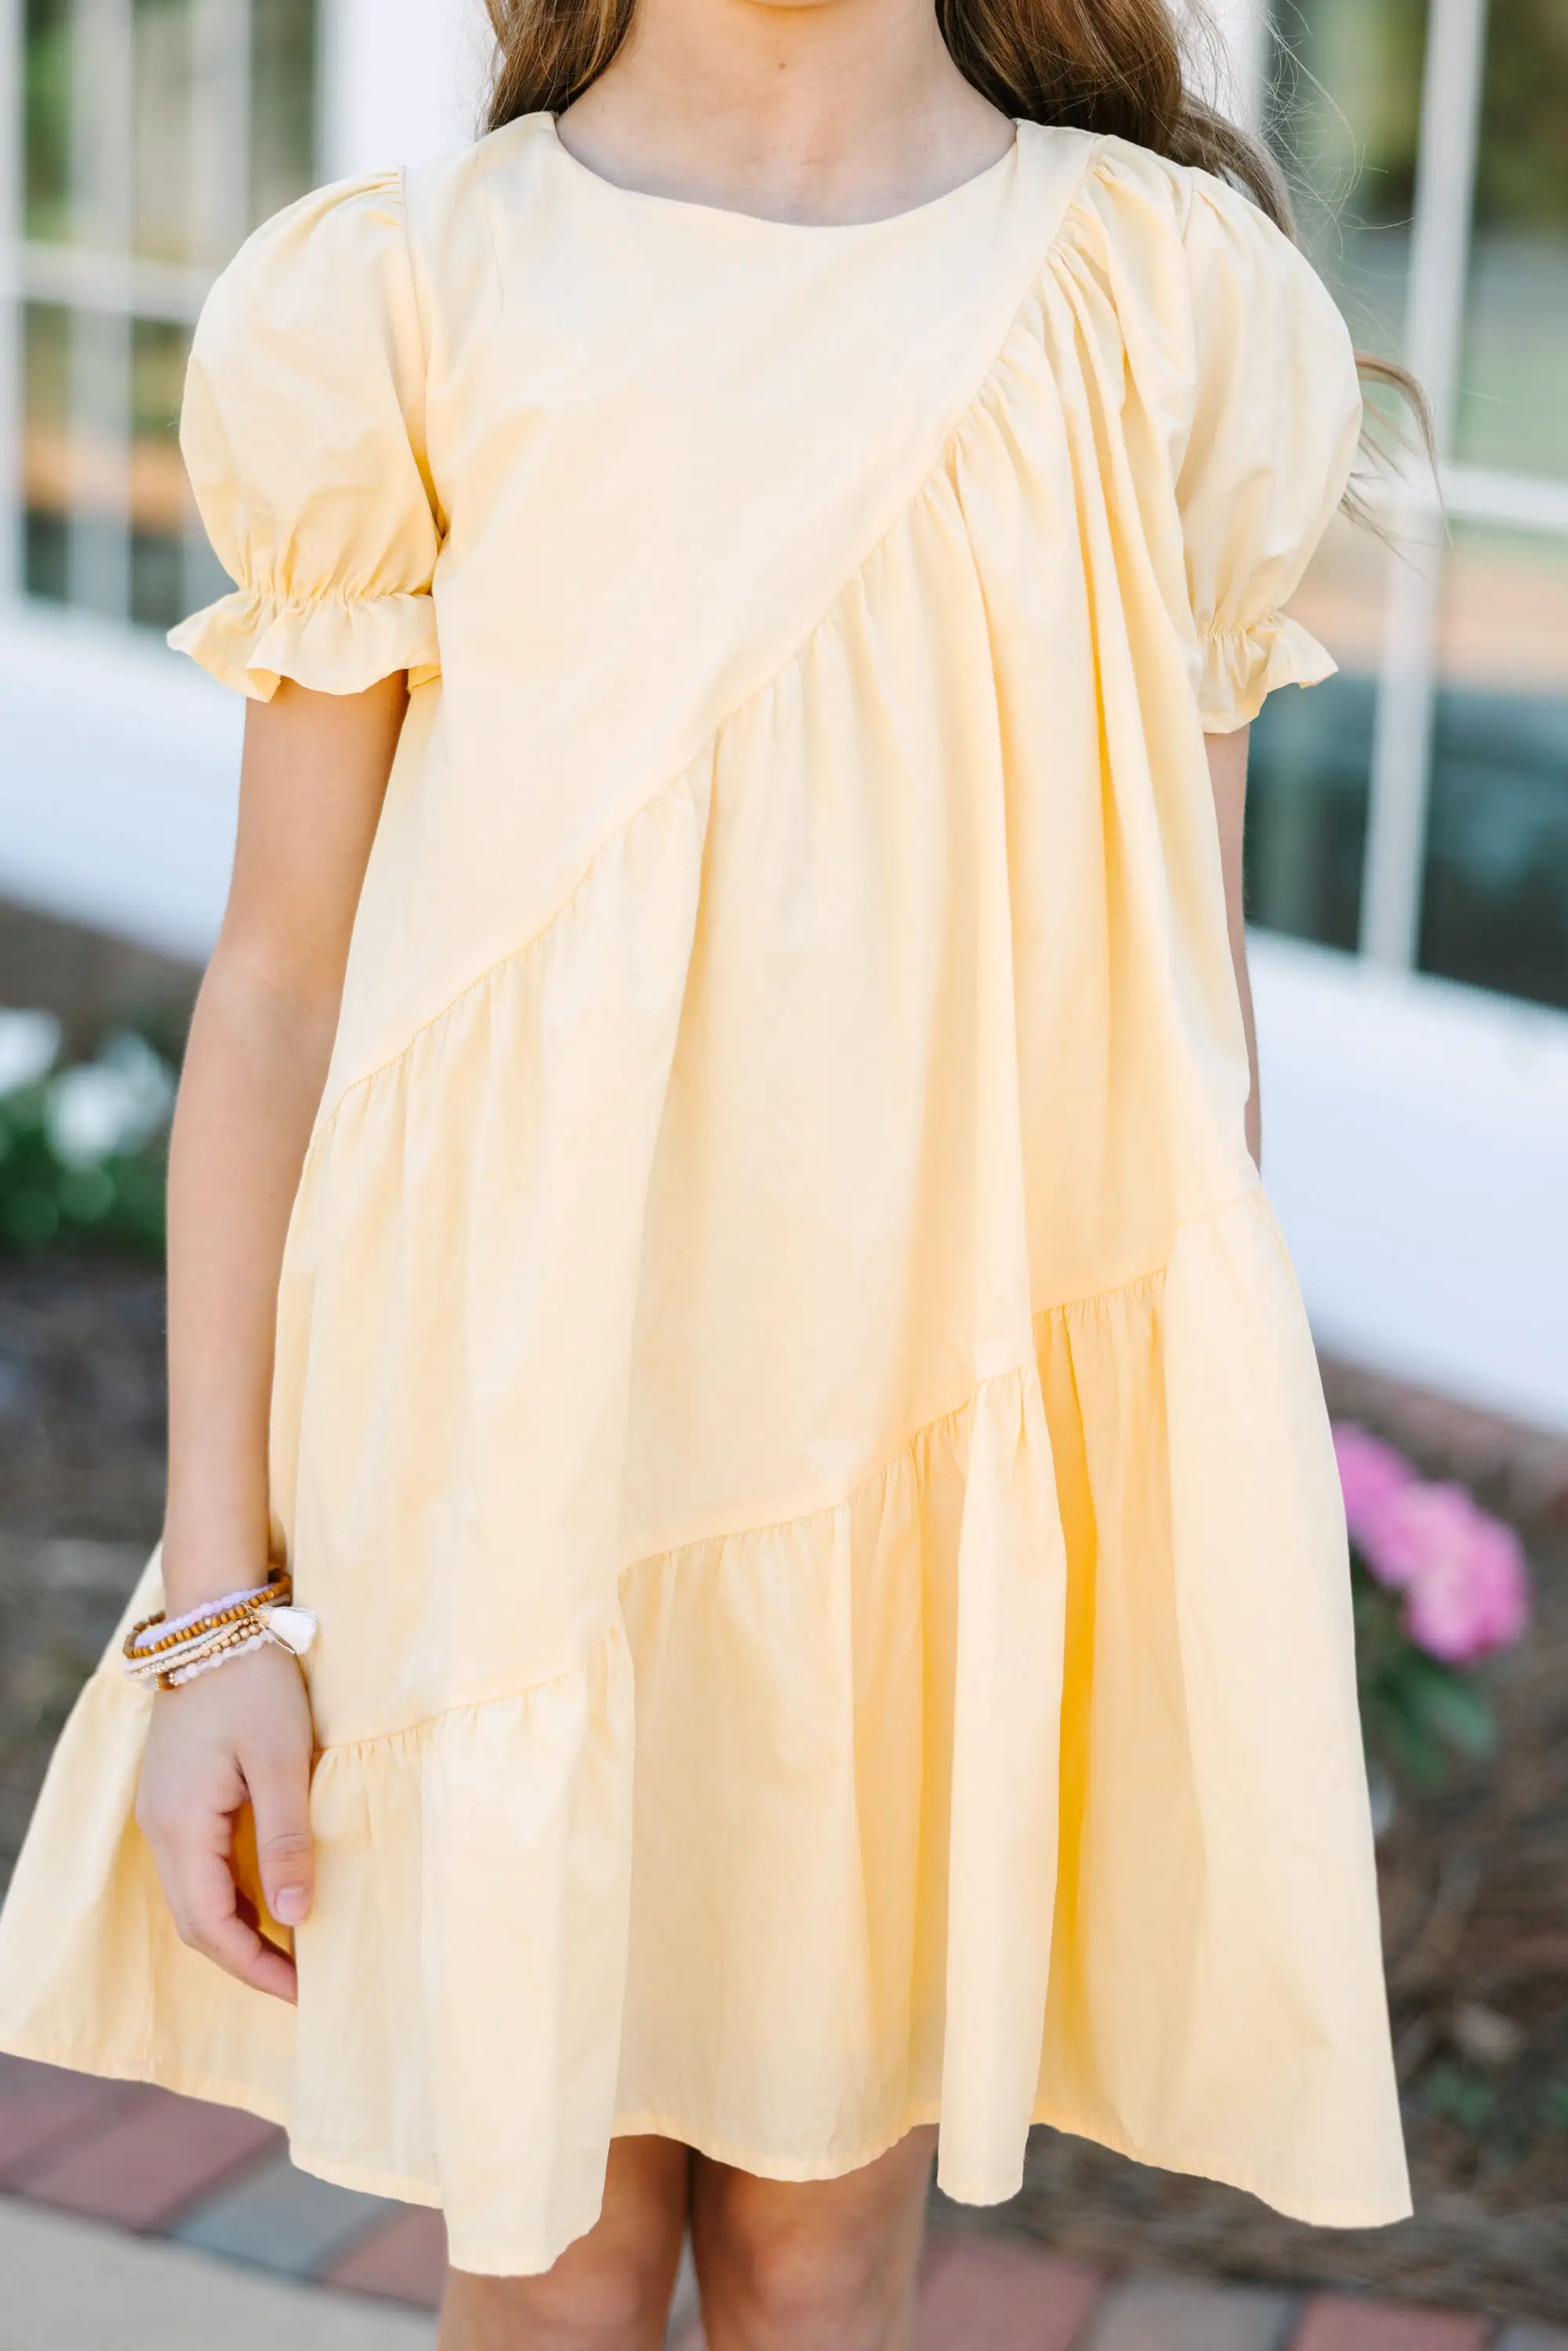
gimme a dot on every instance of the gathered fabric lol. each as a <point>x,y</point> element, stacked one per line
<point>1242,667</point>
<point>252,640</point>
<point>791,1410</point>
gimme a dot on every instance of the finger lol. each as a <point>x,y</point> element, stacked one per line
<point>206,1905</point>
<point>279,1783</point>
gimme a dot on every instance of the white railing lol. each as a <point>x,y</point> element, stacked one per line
<point>1408,691</point>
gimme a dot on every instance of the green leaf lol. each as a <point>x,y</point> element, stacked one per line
<point>30,1217</point>
<point>1455,2096</point>
<point>1551,2107</point>
<point>1453,1708</point>
<point>1423,1757</point>
<point>87,1194</point>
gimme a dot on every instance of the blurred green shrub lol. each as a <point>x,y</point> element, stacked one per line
<point>83,1145</point>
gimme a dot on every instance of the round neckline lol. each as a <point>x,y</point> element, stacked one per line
<point>646,198</point>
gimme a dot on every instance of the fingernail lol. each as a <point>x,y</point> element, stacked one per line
<point>291,1904</point>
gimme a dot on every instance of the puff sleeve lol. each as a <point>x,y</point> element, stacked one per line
<point>302,432</point>
<point>1271,437</point>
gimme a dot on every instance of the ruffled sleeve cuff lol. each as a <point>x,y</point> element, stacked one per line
<point>339,645</point>
<point>1242,666</point>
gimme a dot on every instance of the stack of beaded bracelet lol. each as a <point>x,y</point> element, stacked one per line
<point>169,1650</point>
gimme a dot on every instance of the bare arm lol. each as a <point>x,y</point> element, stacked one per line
<point>1227,774</point>
<point>314,775</point>
<point>315,769</point>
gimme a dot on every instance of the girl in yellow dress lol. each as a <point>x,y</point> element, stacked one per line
<point>714,1226</point>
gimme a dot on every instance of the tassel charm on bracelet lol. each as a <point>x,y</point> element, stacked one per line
<point>166,1651</point>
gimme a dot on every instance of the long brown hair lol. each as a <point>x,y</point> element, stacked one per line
<point>1105,65</point>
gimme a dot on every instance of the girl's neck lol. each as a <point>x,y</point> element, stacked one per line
<point>822,111</point>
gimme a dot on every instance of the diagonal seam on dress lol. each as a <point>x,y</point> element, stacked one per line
<point>1018,326</point>
<point>661,1555</point>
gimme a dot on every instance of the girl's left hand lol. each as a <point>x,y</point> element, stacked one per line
<point>239,1735</point>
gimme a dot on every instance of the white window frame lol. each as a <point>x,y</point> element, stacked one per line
<point>1404,729</point>
<point>96,272</point>
<point>1404,732</point>
<point>1409,679</point>
<point>11,169</point>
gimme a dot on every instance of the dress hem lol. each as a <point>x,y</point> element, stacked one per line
<point>405,2189</point>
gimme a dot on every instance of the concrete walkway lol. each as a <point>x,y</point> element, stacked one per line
<point>131,2220</point>
<point>77,2285</point>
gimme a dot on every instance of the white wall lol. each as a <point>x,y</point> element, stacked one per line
<point>119,779</point>
<point>402,80</point>
<point>1244,26</point>
<point>1415,1146</point>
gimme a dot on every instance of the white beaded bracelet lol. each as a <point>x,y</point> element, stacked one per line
<point>165,1652</point>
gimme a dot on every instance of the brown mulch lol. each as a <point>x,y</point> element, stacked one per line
<point>1475,1882</point>
<point>81,1490</point>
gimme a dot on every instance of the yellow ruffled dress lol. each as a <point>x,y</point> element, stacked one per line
<point>791,1403</point>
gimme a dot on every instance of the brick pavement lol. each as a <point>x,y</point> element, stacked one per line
<point>212,2182</point>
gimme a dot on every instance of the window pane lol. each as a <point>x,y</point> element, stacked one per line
<point>46,133</point>
<point>1497,865</point>
<point>46,444</point>
<point>100,532</point>
<point>162,130</point>
<point>1344,116</point>
<point>159,497</point>
<point>161,126</point>
<point>1307,791</point>
<point>103,92</point>
<point>1512,411</point>
<point>74,455</point>
<point>283,104</point>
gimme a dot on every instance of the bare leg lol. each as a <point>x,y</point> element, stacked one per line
<point>610,2290</point>
<point>811,2266</point>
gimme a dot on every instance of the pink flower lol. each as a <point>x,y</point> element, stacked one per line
<point>1467,1590</point>
<point>1371,1474</point>
<point>1463,1574</point>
